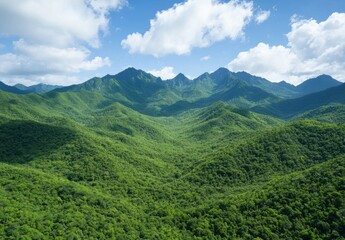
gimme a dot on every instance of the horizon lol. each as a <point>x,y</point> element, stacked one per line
<point>190,79</point>
<point>278,41</point>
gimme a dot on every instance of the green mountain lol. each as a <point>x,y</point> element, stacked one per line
<point>317,84</point>
<point>291,107</point>
<point>281,89</point>
<point>38,88</point>
<point>332,113</point>
<point>129,156</point>
<point>10,89</point>
<point>150,95</point>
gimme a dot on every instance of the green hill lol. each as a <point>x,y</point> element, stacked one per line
<point>130,156</point>
<point>291,107</point>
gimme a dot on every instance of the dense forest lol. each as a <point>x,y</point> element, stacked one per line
<point>225,156</point>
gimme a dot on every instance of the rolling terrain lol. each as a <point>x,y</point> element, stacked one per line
<point>129,156</point>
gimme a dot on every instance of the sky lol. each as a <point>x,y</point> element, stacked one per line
<point>67,42</point>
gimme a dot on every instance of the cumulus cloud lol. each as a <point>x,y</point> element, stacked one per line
<point>194,23</point>
<point>42,59</point>
<point>262,16</point>
<point>56,22</point>
<point>313,48</point>
<point>53,37</point>
<point>165,73</point>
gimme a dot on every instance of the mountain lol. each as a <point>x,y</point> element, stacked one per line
<point>281,89</point>
<point>129,156</point>
<point>148,94</point>
<point>179,81</point>
<point>291,107</point>
<point>317,84</point>
<point>39,88</point>
<point>286,90</point>
<point>11,89</point>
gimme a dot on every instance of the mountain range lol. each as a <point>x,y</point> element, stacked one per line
<point>130,156</point>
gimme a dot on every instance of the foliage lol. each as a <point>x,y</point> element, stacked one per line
<point>84,162</point>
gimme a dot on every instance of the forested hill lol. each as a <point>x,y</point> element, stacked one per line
<point>130,156</point>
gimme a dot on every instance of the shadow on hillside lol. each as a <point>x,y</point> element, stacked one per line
<point>22,141</point>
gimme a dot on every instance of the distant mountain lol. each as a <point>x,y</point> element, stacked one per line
<point>317,84</point>
<point>291,107</point>
<point>151,95</point>
<point>11,89</point>
<point>286,90</point>
<point>281,89</point>
<point>38,88</point>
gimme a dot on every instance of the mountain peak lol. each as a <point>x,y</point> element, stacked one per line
<point>181,76</point>
<point>136,74</point>
<point>222,70</point>
<point>179,80</point>
<point>10,89</point>
<point>317,84</point>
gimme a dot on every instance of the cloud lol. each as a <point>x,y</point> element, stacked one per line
<point>53,37</point>
<point>192,24</point>
<point>48,60</point>
<point>165,73</point>
<point>262,16</point>
<point>313,48</point>
<point>205,58</point>
<point>53,79</point>
<point>56,22</point>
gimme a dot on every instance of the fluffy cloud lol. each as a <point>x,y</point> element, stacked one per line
<point>313,49</point>
<point>56,22</point>
<point>165,73</point>
<point>262,16</point>
<point>42,59</point>
<point>53,36</point>
<point>194,23</point>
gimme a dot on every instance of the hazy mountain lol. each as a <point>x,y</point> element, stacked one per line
<point>317,84</point>
<point>38,88</point>
<point>291,107</point>
<point>11,89</point>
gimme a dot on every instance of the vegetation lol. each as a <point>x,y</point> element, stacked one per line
<point>84,162</point>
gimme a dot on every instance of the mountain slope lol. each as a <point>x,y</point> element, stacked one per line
<point>291,107</point>
<point>280,89</point>
<point>85,162</point>
<point>38,88</point>
<point>303,205</point>
<point>10,89</point>
<point>317,84</point>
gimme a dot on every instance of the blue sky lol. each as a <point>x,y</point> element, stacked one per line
<point>66,42</point>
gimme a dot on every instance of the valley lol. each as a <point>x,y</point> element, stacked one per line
<point>130,156</point>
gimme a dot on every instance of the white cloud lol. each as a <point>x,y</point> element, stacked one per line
<point>42,59</point>
<point>194,23</point>
<point>313,49</point>
<point>52,36</point>
<point>205,58</point>
<point>165,73</point>
<point>53,79</point>
<point>56,22</point>
<point>262,16</point>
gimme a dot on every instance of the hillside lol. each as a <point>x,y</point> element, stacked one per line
<point>10,89</point>
<point>291,107</point>
<point>38,88</point>
<point>317,84</point>
<point>129,156</point>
